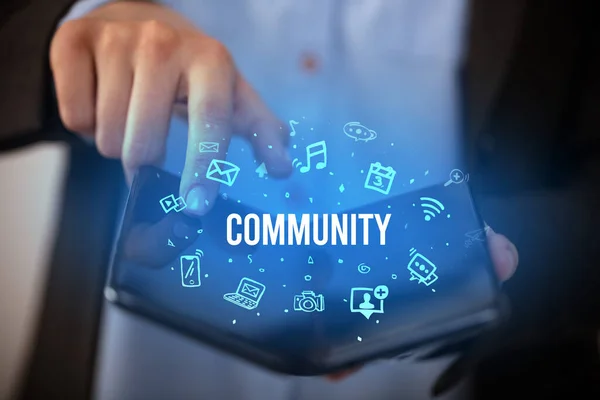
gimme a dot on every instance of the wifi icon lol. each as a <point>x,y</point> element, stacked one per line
<point>199,253</point>
<point>296,163</point>
<point>431,207</point>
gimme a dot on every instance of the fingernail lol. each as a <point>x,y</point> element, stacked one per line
<point>196,200</point>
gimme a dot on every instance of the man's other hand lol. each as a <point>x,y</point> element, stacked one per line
<point>505,258</point>
<point>120,73</point>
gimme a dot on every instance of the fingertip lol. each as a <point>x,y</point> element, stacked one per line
<point>284,134</point>
<point>270,144</point>
<point>505,271</point>
<point>511,261</point>
<point>279,168</point>
<point>198,200</point>
<point>504,256</point>
<point>338,376</point>
<point>277,161</point>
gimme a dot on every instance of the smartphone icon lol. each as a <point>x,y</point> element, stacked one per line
<point>190,271</point>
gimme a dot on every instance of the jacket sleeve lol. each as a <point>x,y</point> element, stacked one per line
<point>28,109</point>
<point>554,224</point>
<point>556,227</point>
<point>25,32</point>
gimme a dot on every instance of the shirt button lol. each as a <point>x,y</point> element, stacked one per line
<point>309,62</point>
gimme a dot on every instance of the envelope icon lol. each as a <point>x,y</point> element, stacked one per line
<point>208,147</point>
<point>222,171</point>
<point>250,290</point>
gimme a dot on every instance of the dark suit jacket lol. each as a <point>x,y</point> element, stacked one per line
<point>532,136</point>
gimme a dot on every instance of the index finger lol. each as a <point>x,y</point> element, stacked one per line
<point>210,109</point>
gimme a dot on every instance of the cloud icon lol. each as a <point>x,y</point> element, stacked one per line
<point>357,131</point>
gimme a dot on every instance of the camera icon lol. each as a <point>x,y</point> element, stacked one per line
<point>308,301</point>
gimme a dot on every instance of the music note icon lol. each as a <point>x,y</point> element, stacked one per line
<point>314,150</point>
<point>293,129</point>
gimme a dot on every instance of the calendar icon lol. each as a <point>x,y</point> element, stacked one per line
<point>380,178</point>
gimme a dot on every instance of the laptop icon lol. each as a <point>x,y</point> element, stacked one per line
<point>247,295</point>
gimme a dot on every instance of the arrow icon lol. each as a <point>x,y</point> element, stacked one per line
<point>170,243</point>
<point>261,170</point>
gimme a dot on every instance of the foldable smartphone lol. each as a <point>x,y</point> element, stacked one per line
<point>299,295</point>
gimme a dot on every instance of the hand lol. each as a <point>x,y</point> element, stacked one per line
<point>505,258</point>
<point>120,70</point>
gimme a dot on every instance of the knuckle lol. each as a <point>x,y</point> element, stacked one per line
<point>211,54</point>
<point>69,36</point>
<point>217,54</point>
<point>114,38</point>
<point>72,30</point>
<point>157,40</point>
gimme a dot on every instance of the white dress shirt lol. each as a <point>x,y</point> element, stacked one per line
<point>390,64</point>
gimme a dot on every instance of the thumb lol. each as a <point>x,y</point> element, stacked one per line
<point>504,254</point>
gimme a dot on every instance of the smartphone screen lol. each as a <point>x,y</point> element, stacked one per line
<point>307,292</point>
